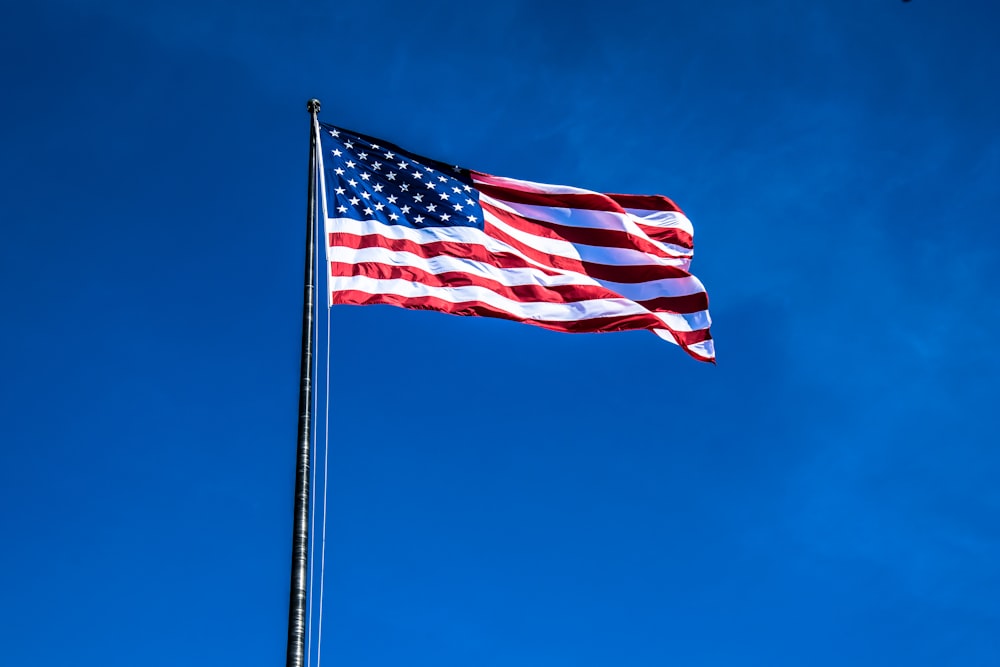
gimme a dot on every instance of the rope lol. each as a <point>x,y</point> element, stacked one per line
<point>326,477</point>
<point>320,261</point>
<point>312,482</point>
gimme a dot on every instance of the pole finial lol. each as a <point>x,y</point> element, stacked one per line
<point>312,106</point>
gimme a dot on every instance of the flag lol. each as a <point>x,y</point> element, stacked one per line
<point>409,231</point>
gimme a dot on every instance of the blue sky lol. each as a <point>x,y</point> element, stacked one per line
<point>500,494</point>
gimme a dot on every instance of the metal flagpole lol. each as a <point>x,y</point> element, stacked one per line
<point>295,654</point>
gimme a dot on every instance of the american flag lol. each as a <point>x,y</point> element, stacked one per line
<point>410,231</point>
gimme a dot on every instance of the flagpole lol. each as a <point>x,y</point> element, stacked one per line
<point>295,653</point>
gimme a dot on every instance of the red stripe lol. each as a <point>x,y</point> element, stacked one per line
<point>646,202</point>
<point>671,235</point>
<point>589,202</point>
<point>620,274</point>
<point>617,273</point>
<point>689,303</point>
<point>480,309</point>
<point>520,293</point>
<point>523,293</point>
<point>592,236</point>
<point>456,249</point>
<point>592,201</point>
<point>686,338</point>
<point>657,203</point>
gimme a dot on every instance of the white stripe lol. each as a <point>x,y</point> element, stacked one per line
<point>666,335</point>
<point>678,322</point>
<point>530,186</point>
<point>536,310</point>
<point>513,277</point>
<point>447,263</point>
<point>704,349</point>
<point>643,216</point>
<point>654,288</point>
<point>665,219</point>
<point>686,321</point>
<point>456,234</point>
<point>471,235</point>
<point>554,312</point>
<point>585,219</point>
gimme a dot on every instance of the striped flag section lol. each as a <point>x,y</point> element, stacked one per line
<point>408,231</point>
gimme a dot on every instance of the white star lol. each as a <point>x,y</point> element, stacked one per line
<point>353,183</point>
<point>432,207</point>
<point>337,152</point>
<point>350,164</point>
<point>405,209</point>
<point>391,175</point>
<point>417,174</point>
<point>362,156</point>
<point>379,206</point>
<point>354,201</point>
<point>393,216</point>
<point>418,197</point>
<point>467,188</point>
<point>430,169</point>
<point>338,171</point>
<point>404,187</point>
<point>444,195</point>
<point>366,195</point>
<point>368,211</point>
<point>376,166</point>
<point>470,202</point>
<point>431,184</point>
<point>457,168</point>
<point>457,207</point>
<point>334,133</point>
<point>365,176</point>
<point>456,190</point>
<point>349,144</point>
<point>442,179</point>
<point>446,217</point>
<point>341,191</point>
<point>389,155</point>
<point>418,219</point>
<point>471,218</point>
<point>342,209</point>
<point>378,187</point>
<point>392,199</point>
<point>402,165</point>
<point>375,147</point>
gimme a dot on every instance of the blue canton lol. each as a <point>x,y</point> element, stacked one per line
<point>369,179</point>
